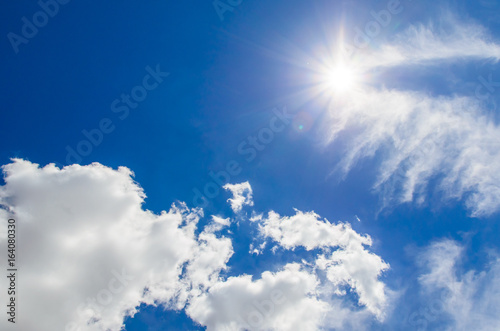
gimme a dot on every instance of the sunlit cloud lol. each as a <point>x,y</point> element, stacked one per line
<point>421,137</point>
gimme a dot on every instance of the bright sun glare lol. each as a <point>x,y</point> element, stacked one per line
<point>342,78</point>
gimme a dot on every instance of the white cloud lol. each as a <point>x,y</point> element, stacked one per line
<point>449,39</point>
<point>242,195</point>
<point>284,300</point>
<point>89,254</point>
<point>471,297</point>
<point>202,270</point>
<point>218,223</point>
<point>350,264</point>
<point>360,270</point>
<point>310,231</point>
<point>83,237</point>
<point>419,137</point>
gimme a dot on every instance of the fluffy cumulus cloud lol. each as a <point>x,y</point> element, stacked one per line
<point>348,264</point>
<point>90,255</point>
<point>452,140</point>
<point>284,300</point>
<point>87,249</point>
<point>467,299</point>
<point>242,195</point>
<point>309,230</point>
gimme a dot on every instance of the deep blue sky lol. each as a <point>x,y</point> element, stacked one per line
<point>225,77</point>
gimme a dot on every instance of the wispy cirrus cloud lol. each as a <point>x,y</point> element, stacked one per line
<point>449,39</point>
<point>471,296</point>
<point>451,140</point>
<point>420,138</point>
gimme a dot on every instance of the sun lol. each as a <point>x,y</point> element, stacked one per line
<point>341,77</point>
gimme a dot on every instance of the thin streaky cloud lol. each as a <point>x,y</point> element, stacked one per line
<point>450,40</point>
<point>420,137</point>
